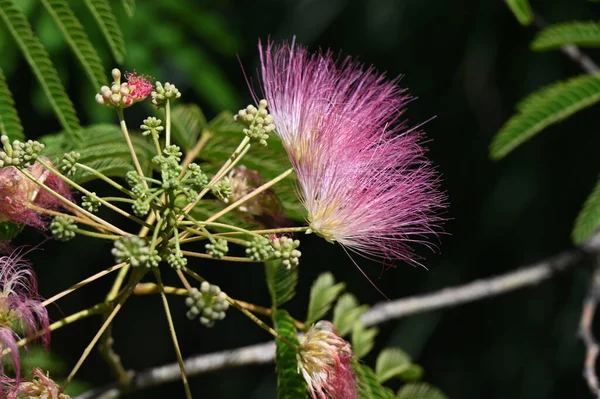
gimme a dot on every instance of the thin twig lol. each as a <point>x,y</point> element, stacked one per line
<point>385,311</point>
<point>590,304</point>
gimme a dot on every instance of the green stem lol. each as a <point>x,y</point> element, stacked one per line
<point>105,178</point>
<point>97,235</point>
<point>136,161</point>
<point>118,199</point>
<point>188,392</point>
<point>168,123</point>
<point>90,194</point>
<point>224,258</point>
<point>269,231</point>
<point>72,205</point>
<point>250,195</point>
<point>156,144</point>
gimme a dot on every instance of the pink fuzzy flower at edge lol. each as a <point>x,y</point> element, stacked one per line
<point>19,304</point>
<point>17,192</point>
<point>363,175</point>
<point>140,86</point>
<point>325,362</point>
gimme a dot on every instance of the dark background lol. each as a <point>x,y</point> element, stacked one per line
<point>468,62</point>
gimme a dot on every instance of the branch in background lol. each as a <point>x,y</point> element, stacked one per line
<point>590,304</point>
<point>571,51</point>
<point>380,313</point>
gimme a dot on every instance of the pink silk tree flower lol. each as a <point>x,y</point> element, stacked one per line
<point>363,175</point>
<point>20,307</point>
<point>18,193</point>
<point>325,361</point>
<point>39,386</point>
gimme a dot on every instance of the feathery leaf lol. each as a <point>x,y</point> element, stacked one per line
<point>129,6</point>
<point>420,391</point>
<point>548,105</point>
<point>187,121</point>
<point>522,10</point>
<point>363,339</point>
<point>42,66</point>
<point>588,220</point>
<point>368,385</point>
<point>78,39</point>
<point>323,293</point>
<point>281,281</point>
<point>392,362</point>
<point>584,34</point>
<point>346,312</point>
<point>109,25</point>
<point>10,124</point>
<point>290,384</point>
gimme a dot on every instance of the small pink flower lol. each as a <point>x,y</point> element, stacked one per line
<point>17,193</point>
<point>20,305</point>
<point>325,361</point>
<point>140,86</point>
<point>363,175</point>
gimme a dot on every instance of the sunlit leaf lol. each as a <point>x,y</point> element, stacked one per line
<point>420,391</point>
<point>290,384</point>
<point>346,312</point>
<point>588,220</point>
<point>323,293</point>
<point>522,10</point>
<point>363,339</point>
<point>584,34</point>
<point>368,385</point>
<point>391,362</point>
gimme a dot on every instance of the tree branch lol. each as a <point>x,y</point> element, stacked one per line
<point>379,313</point>
<point>590,304</point>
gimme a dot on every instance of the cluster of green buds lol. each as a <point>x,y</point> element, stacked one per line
<point>63,228</point>
<point>135,250</point>
<point>90,203</point>
<point>19,154</point>
<point>260,249</point>
<point>286,249</point>
<point>257,121</point>
<point>68,163</point>
<point>209,303</point>
<point>217,248</point>
<point>124,94</point>
<point>152,126</point>
<point>165,93</point>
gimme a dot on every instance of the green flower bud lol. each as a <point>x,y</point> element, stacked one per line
<point>218,248</point>
<point>68,161</point>
<point>90,204</point>
<point>63,228</point>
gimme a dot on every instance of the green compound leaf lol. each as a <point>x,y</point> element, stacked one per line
<point>522,10</point>
<point>42,66</point>
<point>9,230</point>
<point>545,107</point>
<point>78,39</point>
<point>270,161</point>
<point>323,293</point>
<point>281,281</point>
<point>393,362</point>
<point>10,123</point>
<point>187,122</point>
<point>290,384</point>
<point>588,220</point>
<point>368,385</point>
<point>420,391</point>
<point>129,6</point>
<point>346,312</point>
<point>105,150</point>
<point>109,26</point>
<point>584,34</point>
<point>363,339</point>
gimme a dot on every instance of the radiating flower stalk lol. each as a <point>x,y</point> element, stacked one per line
<point>363,180</point>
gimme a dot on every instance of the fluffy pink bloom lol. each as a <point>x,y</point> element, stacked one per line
<point>20,306</point>
<point>40,386</point>
<point>17,192</point>
<point>140,86</point>
<point>363,175</point>
<point>325,361</point>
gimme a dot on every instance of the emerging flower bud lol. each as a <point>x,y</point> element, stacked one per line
<point>325,361</point>
<point>123,95</point>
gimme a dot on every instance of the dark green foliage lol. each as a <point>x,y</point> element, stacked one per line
<point>281,281</point>
<point>42,66</point>
<point>10,123</point>
<point>420,391</point>
<point>346,313</point>
<point>522,10</point>
<point>77,38</point>
<point>363,339</point>
<point>109,25</point>
<point>187,121</point>
<point>585,34</point>
<point>9,230</point>
<point>588,220</point>
<point>323,293</point>
<point>368,385</point>
<point>129,6</point>
<point>549,105</point>
<point>394,362</point>
<point>290,384</point>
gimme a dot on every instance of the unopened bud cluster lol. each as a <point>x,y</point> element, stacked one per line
<point>63,228</point>
<point>123,95</point>
<point>258,122</point>
<point>260,249</point>
<point>165,93</point>
<point>68,163</point>
<point>286,249</point>
<point>135,250</point>
<point>90,203</point>
<point>217,248</point>
<point>151,126</point>
<point>19,154</point>
<point>209,304</point>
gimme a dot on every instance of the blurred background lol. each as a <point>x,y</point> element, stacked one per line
<point>468,62</point>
